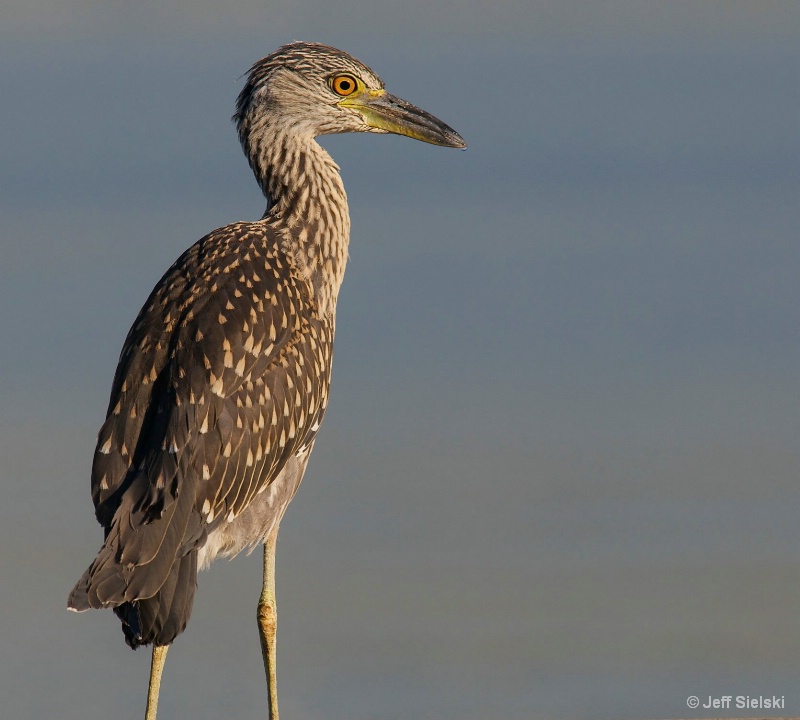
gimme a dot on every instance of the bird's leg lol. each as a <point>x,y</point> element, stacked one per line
<point>156,668</point>
<point>268,621</point>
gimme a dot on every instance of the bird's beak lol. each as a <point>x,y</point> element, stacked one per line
<point>387,113</point>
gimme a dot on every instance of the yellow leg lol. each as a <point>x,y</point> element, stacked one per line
<point>268,622</point>
<point>156,668</point>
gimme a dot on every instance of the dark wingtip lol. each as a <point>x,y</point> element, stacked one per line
<point>78,600</point>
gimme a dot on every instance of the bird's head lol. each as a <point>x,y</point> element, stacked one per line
<point>312,89</point>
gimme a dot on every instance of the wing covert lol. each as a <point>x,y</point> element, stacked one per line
<point>223,377</point>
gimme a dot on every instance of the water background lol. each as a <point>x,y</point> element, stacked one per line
<point>559,474</point>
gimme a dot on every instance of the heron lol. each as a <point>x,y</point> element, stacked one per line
<point>222,382</point>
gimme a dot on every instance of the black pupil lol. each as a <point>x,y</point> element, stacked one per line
<point>344,85</point>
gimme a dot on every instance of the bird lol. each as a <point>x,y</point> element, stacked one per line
<point>223,379</point>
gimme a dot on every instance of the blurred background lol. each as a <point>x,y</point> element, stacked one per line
<point>559,474</point>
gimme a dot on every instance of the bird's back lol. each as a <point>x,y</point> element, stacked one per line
<point>221,386</point>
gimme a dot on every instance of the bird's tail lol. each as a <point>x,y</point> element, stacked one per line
<point>145,571</point>
<point>161,618</point>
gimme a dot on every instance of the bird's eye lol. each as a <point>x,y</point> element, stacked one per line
<point>344,85</point>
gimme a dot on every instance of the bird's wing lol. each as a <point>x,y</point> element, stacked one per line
<point>222,379</point>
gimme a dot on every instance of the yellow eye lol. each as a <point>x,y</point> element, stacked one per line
<point>344,85</point>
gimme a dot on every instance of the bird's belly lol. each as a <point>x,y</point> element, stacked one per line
<point>259,518</point>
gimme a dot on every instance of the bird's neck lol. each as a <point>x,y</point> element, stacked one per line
<point>307,204</point>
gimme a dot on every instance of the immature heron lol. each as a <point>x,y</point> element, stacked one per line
<point>223,379</point>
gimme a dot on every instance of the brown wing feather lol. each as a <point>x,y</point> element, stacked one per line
<point>223,377</point>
